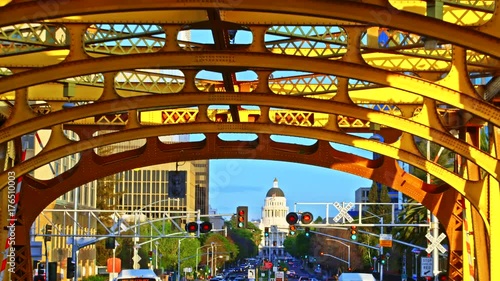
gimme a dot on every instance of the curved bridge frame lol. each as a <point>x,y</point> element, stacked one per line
<point>418,95</point>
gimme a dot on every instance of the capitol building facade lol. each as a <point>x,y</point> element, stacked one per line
<point>274,214</point>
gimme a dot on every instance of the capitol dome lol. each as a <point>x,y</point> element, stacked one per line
<point>275,191</point>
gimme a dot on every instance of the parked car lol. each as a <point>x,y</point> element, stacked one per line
<point>291,274</point>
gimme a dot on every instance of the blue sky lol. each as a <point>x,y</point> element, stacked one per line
<point>237,182</point>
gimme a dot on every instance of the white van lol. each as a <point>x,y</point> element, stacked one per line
<point>137,275</point>
<point>351,276</point>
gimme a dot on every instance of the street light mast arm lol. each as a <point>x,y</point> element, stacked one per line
<point>337,258</point>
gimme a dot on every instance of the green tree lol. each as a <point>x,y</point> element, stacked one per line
<point>226,249</point>
<point>298,245</point>
<point>484,139</point>
<point>247,239</point>
<point>412,215</point>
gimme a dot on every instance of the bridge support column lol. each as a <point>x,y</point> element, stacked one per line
<point>494,201</point>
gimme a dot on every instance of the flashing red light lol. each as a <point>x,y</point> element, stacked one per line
<point>205,227</point>
<point>292,218</point>
<point>192,227</point>
<point>306,218</point>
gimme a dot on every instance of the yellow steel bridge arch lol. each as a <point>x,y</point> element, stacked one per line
<point>425,68</point>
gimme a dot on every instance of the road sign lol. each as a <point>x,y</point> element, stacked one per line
<point>426,267</point>
<point>280,276</point>
<point>251,273</point>
<point>435,243</point>
<point>343,211</point>
<point>385,240</point>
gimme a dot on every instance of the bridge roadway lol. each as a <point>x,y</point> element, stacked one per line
<point>319,69</point>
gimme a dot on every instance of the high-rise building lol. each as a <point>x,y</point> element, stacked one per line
<point>274,218</point>
<point>151,188</point>
<point>86,195</point>
<point>361,196</point>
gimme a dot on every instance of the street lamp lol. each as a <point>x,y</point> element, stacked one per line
<point>348,250</point>
<point>213,267</point>
<point>179,258</point>
<point>196,265</point>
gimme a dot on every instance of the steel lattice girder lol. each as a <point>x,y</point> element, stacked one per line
<point>347,10</point>
<point>270,100</point>
<point>354,11</point>
<point>453,97</point>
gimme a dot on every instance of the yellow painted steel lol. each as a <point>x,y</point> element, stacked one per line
<point>346,10</point>
<point>348,68</point>
<point>314,133</point>
<point>177,59</point>
<point>488,163</point>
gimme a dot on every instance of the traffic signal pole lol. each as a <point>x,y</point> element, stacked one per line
<point>74,246</point>
<point>381,251</point>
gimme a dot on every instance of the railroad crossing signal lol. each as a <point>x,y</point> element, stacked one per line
<point>191,227</point>
<point>205,227</point>
<point>343,212</point>
<point>306,218</point>
<point>292,218</point>
<point>435,243</point>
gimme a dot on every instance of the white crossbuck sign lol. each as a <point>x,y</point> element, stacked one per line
<point>435,243</point>
<point>343,214</point>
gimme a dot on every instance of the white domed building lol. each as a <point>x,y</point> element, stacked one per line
<point>274,217</point>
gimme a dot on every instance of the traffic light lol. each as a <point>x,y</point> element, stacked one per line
<point>242,216</point>
<point>292,229</point>
<point>442,276</point>
<point>205,227</point>
<point>306,218</point>
<point>48,231</point>
<point>150,255</point>
<point>192,227</point>
<point>266,231</point>
<point>110,243</point>
<point>292,218</point>
<point>308,232</point>
<point>321,253</point>
<point>382,259</point>
<point>70,268</point>
<point>354,232</point>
